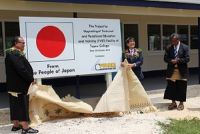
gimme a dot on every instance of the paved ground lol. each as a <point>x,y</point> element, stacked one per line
<point>133,123</point>
<point>97,89</point>
<point>154,86</point>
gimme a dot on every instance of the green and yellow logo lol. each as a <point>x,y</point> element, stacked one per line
<point>105,66</point>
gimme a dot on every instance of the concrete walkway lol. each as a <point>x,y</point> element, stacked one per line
<point>192,105</point>
<point>97,89</point>
<point>133,123</point>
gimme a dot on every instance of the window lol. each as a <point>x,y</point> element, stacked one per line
<point>182,30</point>
<point>1,41</point>
<point>194,37</point>
<point>154,37</point>
<point>131,30</point>
<point>156,43</point>
<point>167,31</point>
<point>11,30</point>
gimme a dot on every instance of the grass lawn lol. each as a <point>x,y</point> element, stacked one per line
<point>181,126</point>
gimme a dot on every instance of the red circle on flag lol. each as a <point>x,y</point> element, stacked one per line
<point>50,41</point>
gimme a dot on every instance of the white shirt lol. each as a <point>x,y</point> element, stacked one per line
<point>177,47</point>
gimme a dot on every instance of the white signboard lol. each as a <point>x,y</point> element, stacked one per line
<point>71,46</point>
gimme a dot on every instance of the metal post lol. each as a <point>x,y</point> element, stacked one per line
<point>39,81</point>
<point>78,87</point>
<point>77,77</point>
<point>108,79</point>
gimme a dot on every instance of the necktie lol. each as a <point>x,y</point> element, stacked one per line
<point>132,51</point>
<point>175,52</point>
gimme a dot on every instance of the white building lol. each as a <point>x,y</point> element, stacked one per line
<point>150,21</point>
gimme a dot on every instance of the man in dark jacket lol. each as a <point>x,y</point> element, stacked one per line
<point>177,57</point>
<point>19,76</point>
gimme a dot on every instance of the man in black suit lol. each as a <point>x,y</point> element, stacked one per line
<point>19,76</point>
<point>177,57</point>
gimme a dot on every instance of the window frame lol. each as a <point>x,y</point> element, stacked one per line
<point>149,50</point>
<point>5,31</point>
<point>190,36</point>
<point>123,34</point>
<point>188,31</point>
<point>2,30</point>
<point>176,30</point>
<point>4,36</point>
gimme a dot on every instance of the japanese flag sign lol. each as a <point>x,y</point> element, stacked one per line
<point>58,47</point>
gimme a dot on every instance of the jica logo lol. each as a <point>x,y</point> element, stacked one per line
<point>105,66</point>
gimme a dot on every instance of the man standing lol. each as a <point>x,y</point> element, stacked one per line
<point>177,57</point>
<point>19,76</point>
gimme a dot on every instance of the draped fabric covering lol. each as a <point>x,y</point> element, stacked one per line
<point>46,105</point>
<point>116,98</point>
<point>124,94</point>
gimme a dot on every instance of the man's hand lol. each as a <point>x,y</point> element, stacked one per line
<point>122,64</point>
<point>131,65</point>
<point>174,61</point>
<point>128,65</point>
<point>34,82</point>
